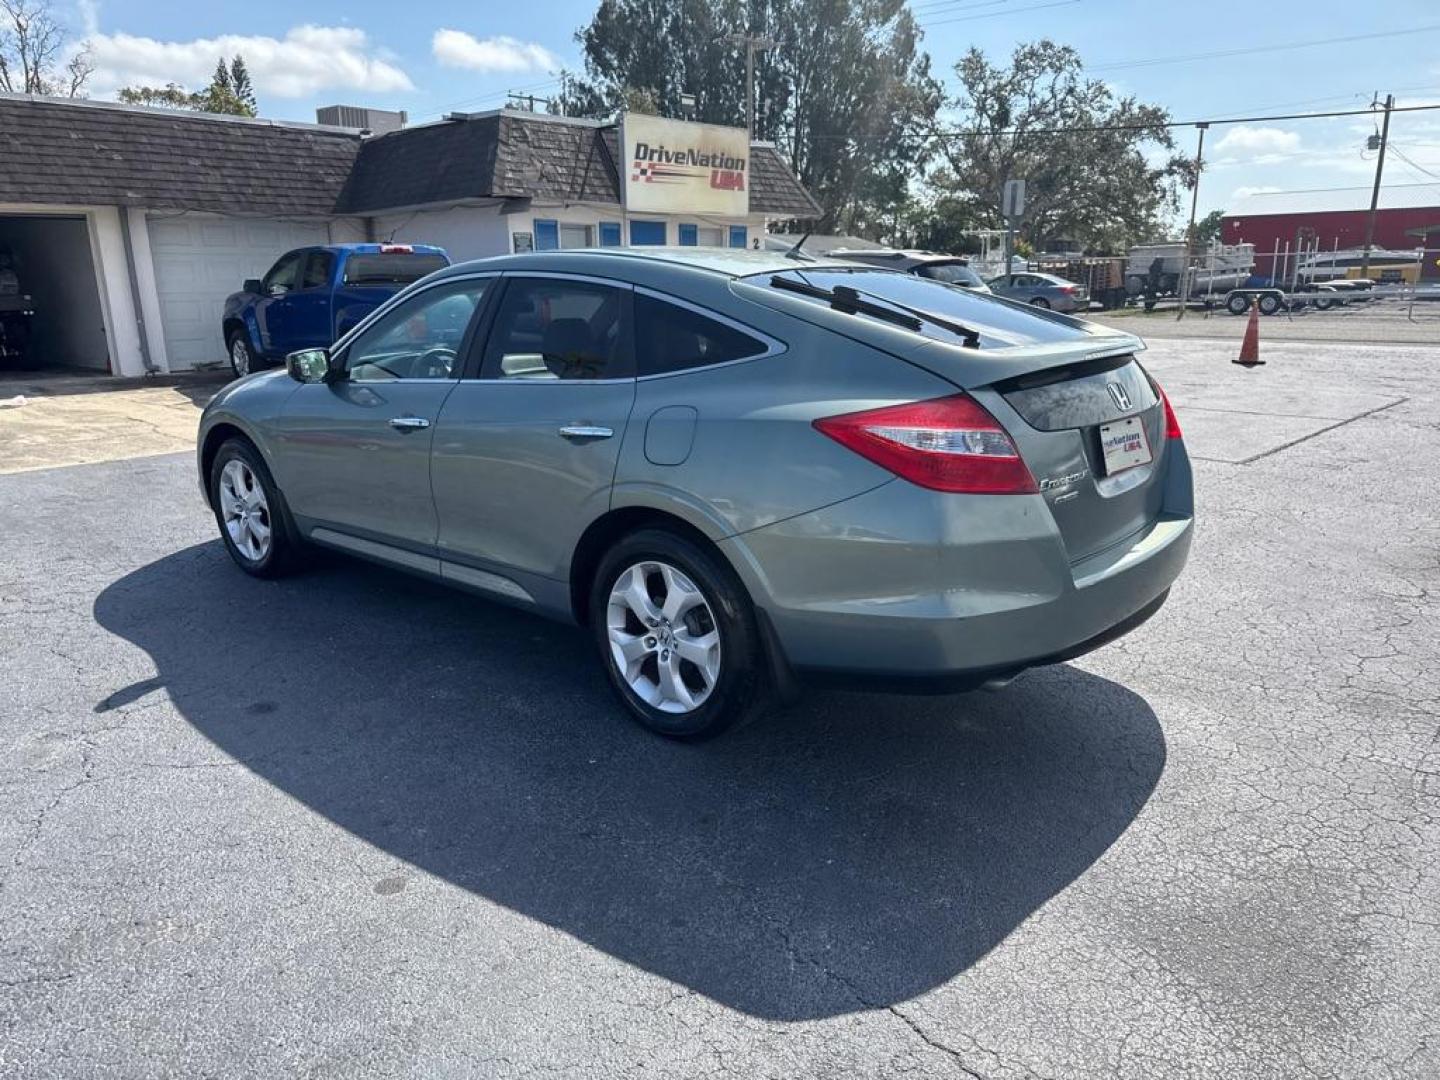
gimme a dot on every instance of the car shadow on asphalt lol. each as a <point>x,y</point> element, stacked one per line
<point>851,852</point>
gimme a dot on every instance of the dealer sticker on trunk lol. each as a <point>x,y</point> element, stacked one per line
<point>1124,445</point>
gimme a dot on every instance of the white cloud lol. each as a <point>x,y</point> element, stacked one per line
<point>1260,144</point>
<point>306,60</point>
<point>1244,191</point>
<point>456,48</point>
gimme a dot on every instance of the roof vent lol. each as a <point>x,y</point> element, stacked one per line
<point>378,121</point>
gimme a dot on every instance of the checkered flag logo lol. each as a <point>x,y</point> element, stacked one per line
<point>642,171</point>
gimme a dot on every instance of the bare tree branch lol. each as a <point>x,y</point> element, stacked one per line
<point>32,43</point>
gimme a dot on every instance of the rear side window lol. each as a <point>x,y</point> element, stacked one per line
<point>391,268</point>
<point>673,338</point>
<point>549,328</point>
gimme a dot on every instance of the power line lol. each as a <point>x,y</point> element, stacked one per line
<point>997,14</point>
<point>930,7</point>
<point>500,95</point>
<point>1419,168</point>
<point>1157,61</point>
<point>1184,123</point>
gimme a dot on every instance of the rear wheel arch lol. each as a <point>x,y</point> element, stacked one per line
<point>606,530</point>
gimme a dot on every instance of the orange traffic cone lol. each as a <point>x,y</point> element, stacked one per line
<point>1250,346</point>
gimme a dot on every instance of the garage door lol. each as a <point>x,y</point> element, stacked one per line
<point>199,261</point>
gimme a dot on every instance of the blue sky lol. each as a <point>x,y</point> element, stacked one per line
<point>429,58</point>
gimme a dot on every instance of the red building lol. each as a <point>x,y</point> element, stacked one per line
<point>1408,219</point>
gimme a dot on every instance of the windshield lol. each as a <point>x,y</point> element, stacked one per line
<point>391,268</point>
<point>951,273</point>
<point>999,322</point>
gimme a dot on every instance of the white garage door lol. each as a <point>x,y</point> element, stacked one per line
<point>199,261</point>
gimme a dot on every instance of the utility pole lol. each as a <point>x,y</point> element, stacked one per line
<point>1375,194</point>
<point>752,44</point>
<point>1190,231</point>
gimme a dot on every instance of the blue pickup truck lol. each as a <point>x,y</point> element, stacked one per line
<point>313,295</point>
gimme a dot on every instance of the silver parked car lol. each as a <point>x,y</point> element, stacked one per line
<point>738,470</point>
<point>951,269</point>
<point>1042,290</point>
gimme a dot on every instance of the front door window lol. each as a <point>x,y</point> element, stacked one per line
<point>418,339</point>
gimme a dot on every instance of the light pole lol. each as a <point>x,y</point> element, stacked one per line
<point>752,44</point>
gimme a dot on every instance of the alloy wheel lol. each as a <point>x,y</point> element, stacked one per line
<point>240,357</point>
<point>664,639</point>
<point>246,513</point>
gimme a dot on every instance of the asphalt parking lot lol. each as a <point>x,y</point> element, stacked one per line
<point>352,824</point>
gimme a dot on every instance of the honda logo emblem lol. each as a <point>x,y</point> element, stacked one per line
<point>1121,396</point>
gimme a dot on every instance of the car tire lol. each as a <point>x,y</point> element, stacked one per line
<point>1039,301</point>
<point>663,563</point>
<point>254,520</point>
<point>1238,304</point>
<point>242,356</point>
<point>1269,305</point>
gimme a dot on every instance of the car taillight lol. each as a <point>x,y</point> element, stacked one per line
<point>1172,425</point>
<point>945,444</point>
<point>396,249</point>
<point>1069,290</point>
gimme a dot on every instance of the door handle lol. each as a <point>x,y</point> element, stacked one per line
<point>585,431</point>
<point>409,423</point>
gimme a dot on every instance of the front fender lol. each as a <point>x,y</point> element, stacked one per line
<point>250,406</point>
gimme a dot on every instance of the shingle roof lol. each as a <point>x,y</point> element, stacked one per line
<point>514,155</point>
<point>75,152</point>
<point>63,152</point>
<point>498,155</point>
<point>775,189</point>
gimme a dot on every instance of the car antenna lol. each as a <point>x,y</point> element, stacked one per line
<point>798,253</point>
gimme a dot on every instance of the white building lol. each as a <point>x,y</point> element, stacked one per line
<point>129,226</point>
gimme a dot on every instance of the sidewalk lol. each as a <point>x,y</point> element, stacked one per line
<point>52,420</point>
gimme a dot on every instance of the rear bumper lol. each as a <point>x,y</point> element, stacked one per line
<point>850,590</point>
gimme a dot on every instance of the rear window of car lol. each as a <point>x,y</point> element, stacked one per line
<point>999,322</point>
<point>951,273</point>
<point>672,338</point>
<point>391,267</point>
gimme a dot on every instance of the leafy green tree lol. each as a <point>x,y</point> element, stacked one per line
<point>240,83</point>
<point>170,96</point>
<point>228,93</point>
<point>1208,228</point>
<point>846,93</point>
<point>1035,119</point>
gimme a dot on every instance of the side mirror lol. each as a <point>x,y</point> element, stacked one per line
<point>308,365</point>
<point>252,285</point>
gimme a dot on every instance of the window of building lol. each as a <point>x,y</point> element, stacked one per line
<point>643,233</point>
<point>688,234</point>
<point>609,234</point>
<point>547,234</point>
<point>711,236</point>
<point>549,328</point>
<point>739,236</point>
<point>575,236</point>
<point>669,337</point>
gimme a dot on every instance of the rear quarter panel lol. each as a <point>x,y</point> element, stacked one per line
<point>754,458</point>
